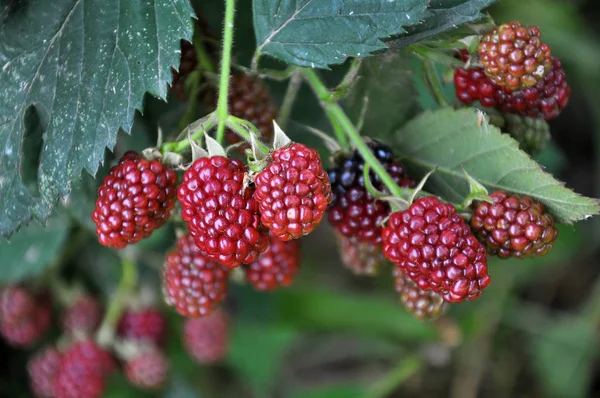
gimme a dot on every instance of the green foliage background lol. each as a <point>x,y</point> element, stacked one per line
<point>533,333</point>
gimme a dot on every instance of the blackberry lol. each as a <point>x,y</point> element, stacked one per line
<point>514,226</point>
<point>353,211</point>
<point>42,369</point>
<point>84,316</point>
<point>514,56</point>
<point>425,305</point>
<point>433,245</point>
<point>360,257</point>
<point>276,266</point>
<point>206,339</point>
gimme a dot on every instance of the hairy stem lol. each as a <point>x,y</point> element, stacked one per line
<point>196,130</point>
<point>222,110</point>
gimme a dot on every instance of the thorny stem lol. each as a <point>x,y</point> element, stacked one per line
<point>289,99</point>
<point>113,313</point>
<point>335,113</point>
<point>222,105</point>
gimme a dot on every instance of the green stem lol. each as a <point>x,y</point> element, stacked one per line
<point>289,99</point>
<point>433,83</point>
<point>390,382</point>
<point>343,89</point>
<point>198,128</point>
<point>115,309</point>
<point>244,128</point>
<point>222,105</point>
<point>338,130</point>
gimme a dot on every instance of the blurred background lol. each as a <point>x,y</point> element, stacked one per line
<point>534,333</point>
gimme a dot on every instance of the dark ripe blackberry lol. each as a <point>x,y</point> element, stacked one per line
<point>425,305</point>
<point>514,226</point>
<point>353,211</point>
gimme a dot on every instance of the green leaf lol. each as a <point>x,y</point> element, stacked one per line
<point>442,16</point>
<point>83,68</point>
<point>563,355</point>
<point>387,83</point>
<point>32,249</point>
<point>256,353</point>
<point>451,139</point>
<point>318,33</point>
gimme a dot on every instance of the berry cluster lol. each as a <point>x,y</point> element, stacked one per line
<point>519,75</point>
<point>24,318</point>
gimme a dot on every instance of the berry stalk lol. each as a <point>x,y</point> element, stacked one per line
<point>117,305</point>
<point>222,105</point>
<point>198,128</point>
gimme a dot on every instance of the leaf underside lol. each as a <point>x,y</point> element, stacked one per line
<point>318,33</point>
<point>80,68</point>
<point>452,139</point>
<point>442,16</point>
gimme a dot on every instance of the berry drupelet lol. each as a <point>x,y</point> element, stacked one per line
<point>276,266</point>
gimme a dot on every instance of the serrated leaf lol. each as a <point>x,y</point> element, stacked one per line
<point>387,83</point>
<point>442,15</point>
<point>83,66</point>
<point>451,139</point>
<point>32,249</point>
<point>318,33</point>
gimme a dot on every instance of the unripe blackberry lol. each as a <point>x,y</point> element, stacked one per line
<point>135,198</point>
<point>353,211</point>
<point>276,266</point>
<point>514,56</point>
<point>514,226</point>
<point>433,245</point>
<point>249,99</point>
<point>16,304</point>
<point>193,284</point>
<point>83,317</point>
<point>220,211</point>
<point>360,257</point>
<point>148,324</point>
<point>82,371</point>
<point>148,370</point>
<point>206,338</point>
<point>425,305</point>
<point>532,134</point>
<point>293,192</point>
<point>42,369</point>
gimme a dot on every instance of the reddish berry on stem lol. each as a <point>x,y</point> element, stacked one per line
<point>276,266</point>
<point>192,283</point>
<point>16,304</point>
<point>220,212</point>
<point>148,324</point>
<point>433,245</point>
<point>23,321</point>
<point>148,370</point>
<point>360,257</point>
<point>422,304</point>
<point>83,317</point>
<point>206,338</point>
<point>514,226</point>
<point>353,211</point>
<point>42,369</point>
<point>135,198</point>
<point>513,55</point>
<point>293,192</point>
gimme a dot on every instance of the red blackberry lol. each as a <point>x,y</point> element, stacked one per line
<point>27,326</point>
<point>220,212</point>
<point>16,304</point>
<point>82,371</point>
<point>546,99</point>
<point>276,266</point>
<point>360,257</point>
<point>293,192</point>
<point>206,338</point>
<point>147,370</point>
<point>513,55</point>
<point>249,99</point>
<point>42,369</point>
<point>422,304</point>
<point>83,317</point>
<point>353,211</point>
<point>192,283</point>
<point>514,226</point>
<point>433,245</point>
<point>135,198</point>
<point>148,324</point>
